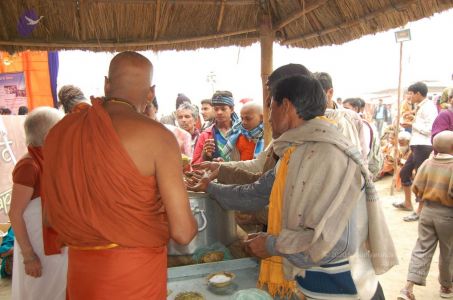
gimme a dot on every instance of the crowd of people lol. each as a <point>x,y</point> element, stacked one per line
<point>103,189</point>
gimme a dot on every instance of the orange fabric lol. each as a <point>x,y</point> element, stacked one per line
<point>93,192</point>
<point>389,152</point>
<point>245,147</point>
<point>95,196</point>
<point>35,66</point>
<point>80,106</point>
<point>28,172</point>
<point>117,274</point>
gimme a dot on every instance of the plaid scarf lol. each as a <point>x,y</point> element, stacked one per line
<point>226,145</point>
<point>256,135</point>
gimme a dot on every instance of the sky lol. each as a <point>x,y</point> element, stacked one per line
<point>358,68</point>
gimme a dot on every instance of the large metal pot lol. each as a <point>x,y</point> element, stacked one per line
<point>214,225</point>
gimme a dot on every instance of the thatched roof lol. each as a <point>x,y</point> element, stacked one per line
<point>114,25</point>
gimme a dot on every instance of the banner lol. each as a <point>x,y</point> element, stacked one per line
<point>12,91</point>
<point>12,148</point>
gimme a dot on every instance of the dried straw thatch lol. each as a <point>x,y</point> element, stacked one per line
<point>113,25</point>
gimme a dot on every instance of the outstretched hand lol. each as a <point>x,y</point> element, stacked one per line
<point>198,180</point>
<point>211,167</point>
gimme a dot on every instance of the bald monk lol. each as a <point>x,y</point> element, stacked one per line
<point>114,190</point>
<point>250,142</point>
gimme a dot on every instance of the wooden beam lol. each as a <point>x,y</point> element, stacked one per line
<point>157,20</point>
<point>219,22</point>
<point>348,24</point>
<point>188,2</point>
<point>307,9</point>
<point>82,19</point>
<point>110,44</point>
<point>266,42</point>
<point>5,32</point>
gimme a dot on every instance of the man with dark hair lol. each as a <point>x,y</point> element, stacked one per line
<point>381,115</point>
<point>208,113</point>
<point>219,141</point>
<point>348,121</point>
<point>421,146</point>
<point>23,110</point>
<point>327,227</point>
<point>375,158</point>
<point>242,172</point>
<point>5,111</point>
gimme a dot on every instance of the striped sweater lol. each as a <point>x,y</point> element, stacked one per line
<point>434,180</point>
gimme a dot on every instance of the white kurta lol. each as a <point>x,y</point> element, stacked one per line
<point>52,283</point>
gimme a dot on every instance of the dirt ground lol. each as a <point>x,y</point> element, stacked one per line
<point>404,235</point>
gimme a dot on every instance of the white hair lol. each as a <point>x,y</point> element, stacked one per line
<point>404,135</point>
<point>39,122</point>
<point>189,106</point>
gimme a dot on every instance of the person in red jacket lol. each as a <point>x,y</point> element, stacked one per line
<point>218,142</point>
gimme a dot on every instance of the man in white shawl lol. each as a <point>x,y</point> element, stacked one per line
<point>327,235</point>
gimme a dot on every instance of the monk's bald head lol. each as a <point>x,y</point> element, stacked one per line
<point>443,142</point>
<point>129,73</point>
<point>253,107</point>
<point>251,115</point>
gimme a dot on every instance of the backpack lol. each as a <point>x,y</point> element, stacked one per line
<point>375,157</point>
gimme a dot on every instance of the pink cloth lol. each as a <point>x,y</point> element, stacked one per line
<point>184,139</point>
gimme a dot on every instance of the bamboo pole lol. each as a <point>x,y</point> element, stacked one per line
<point>266,42</point>
<point>397,125</point>
<point>82,11</point>
<point>157,20</point>
<point>4,30</point>
<point>219,22</point>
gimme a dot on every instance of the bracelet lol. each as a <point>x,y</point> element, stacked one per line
<point>31,259</point>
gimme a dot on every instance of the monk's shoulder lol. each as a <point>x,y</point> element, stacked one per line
<point>152,127</point>
<point>151,132</point>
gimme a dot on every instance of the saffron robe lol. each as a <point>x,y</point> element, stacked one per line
<point>96,199</point>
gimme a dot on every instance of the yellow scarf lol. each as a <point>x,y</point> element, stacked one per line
<point>271,271</point>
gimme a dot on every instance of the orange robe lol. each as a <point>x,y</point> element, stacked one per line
<point>105,210</point>
<point>245,147</point>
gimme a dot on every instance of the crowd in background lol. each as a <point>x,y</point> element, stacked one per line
<point>215,133</point>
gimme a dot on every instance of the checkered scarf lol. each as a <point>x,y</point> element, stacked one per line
<point>225,149</point>
<point>256,135</point>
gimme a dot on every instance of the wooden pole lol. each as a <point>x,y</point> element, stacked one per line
<point>397,124</point>
<point>267,41</point>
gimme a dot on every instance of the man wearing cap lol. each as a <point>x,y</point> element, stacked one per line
<point>218,142</point>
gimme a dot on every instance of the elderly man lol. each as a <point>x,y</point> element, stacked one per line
<point>187,116</point>
<point>114,190</point>
<point>317,232</point>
